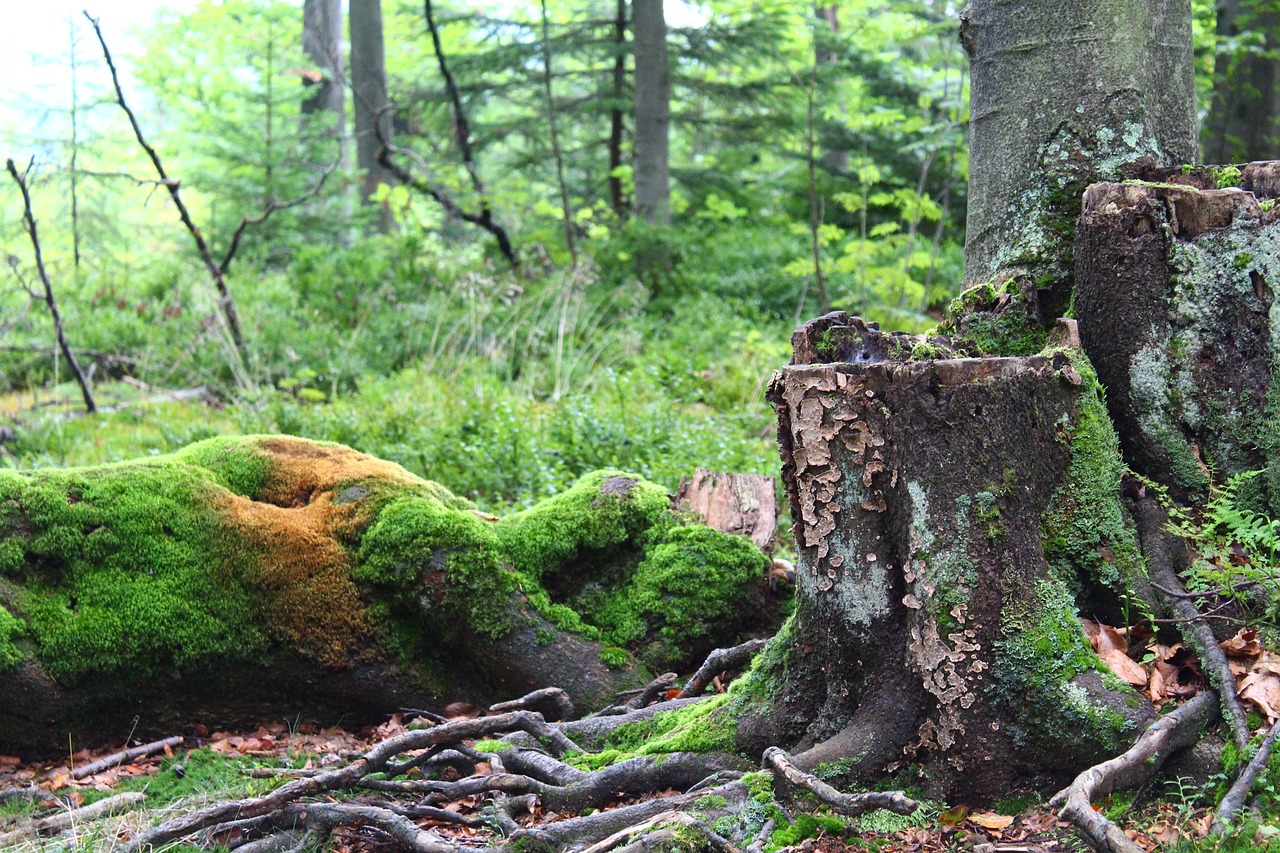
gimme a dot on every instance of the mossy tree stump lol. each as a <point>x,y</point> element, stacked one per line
<point>1175,298</point>
<point>941,543</point>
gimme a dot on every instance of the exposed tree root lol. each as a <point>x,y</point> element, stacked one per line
<point>551,702</point>
<point>527,777</point>
<point>374,761</point>
<point>1235,799</point>
<point>1168,587</point>
<point>717,662</point>
<point>846,804</point>
<point>663,836</point>
<point>1167,735</point>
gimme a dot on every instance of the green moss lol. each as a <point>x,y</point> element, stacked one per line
<point>1227,176</point>
<point>699,727</point>
<point>1087,540</point>
<point>809,826</point>
<point>10,629</point>
<point>491,746</point>
<point>235,463</point>
<point>1042,649</point>
<point>117,572</point>
<point>418,536</point>
<point>692,580</point>
<point>992,320</point>
<point>759,785</point>
<point>603,510</point>
<point>710,801</point>
<point>614,657</point>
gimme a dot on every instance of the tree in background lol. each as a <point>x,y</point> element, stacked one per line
<point>369,90</point>
<point>1244,113</point>
<point>652,111</point>
<point>324,84</point>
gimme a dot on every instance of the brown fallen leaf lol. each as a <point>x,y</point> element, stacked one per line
<point>991,820</point>
<point>1125,667</point>
<point>1243,644</point>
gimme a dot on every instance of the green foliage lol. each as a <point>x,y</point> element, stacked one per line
<point>1236,548</point>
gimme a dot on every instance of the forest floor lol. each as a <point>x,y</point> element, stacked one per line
<point>207,767</point>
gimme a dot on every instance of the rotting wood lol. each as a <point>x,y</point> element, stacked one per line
<point>743,504</point>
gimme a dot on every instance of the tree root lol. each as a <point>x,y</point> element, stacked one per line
<point>1172,594</point>
<point>1235,799</point>
<point>528,777</point>
<point>551,702</point>
<point>1167,735</point>
<point>846,804</point>
<point>717,662</point>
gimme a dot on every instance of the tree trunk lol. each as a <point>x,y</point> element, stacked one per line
<point>1057,107</point>
<point>617,199</point>
<point>834,160</point>
<point>1244,115</point>
<point>1175,298</point>
<point>272,576</point>
<point>652,111</point>
<point>322,43</point>
<point>933,626</point>
<point>369,85</point>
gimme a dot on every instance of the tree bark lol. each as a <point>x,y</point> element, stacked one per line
<point>1057,107</point>
<point>369,88</point>
<point>1244,114</point>
<point>652,111</point>
<point>932,625</point>
<point>617,198</point>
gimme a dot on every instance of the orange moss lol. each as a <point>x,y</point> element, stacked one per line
<point>300,468</point>
<point>292,535</point>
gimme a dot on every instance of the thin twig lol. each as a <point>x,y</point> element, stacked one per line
<point>29,221</point>
<point>125,755</point>
<point>225,301</point>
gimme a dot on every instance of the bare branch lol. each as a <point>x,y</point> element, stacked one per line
<point>29,221</point>
<point>225,301</point>
<point>271,208</point>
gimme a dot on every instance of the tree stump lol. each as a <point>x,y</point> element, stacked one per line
<point>1174,294</point>
<point>934,625</point>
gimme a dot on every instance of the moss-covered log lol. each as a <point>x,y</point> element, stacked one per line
<point>948,512</point>
<point>269,576</point>
<point>1176,304</point>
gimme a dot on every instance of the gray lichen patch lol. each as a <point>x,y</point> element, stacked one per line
<point>1177,308</point>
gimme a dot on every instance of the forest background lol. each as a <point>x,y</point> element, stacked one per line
<point>816,159</point>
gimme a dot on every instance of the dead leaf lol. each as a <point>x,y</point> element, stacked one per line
<point>991,820</point>
<point>1243,644</point>
<point>1124,666</point>
<point>954,816</point>
<point>1040,822</point>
